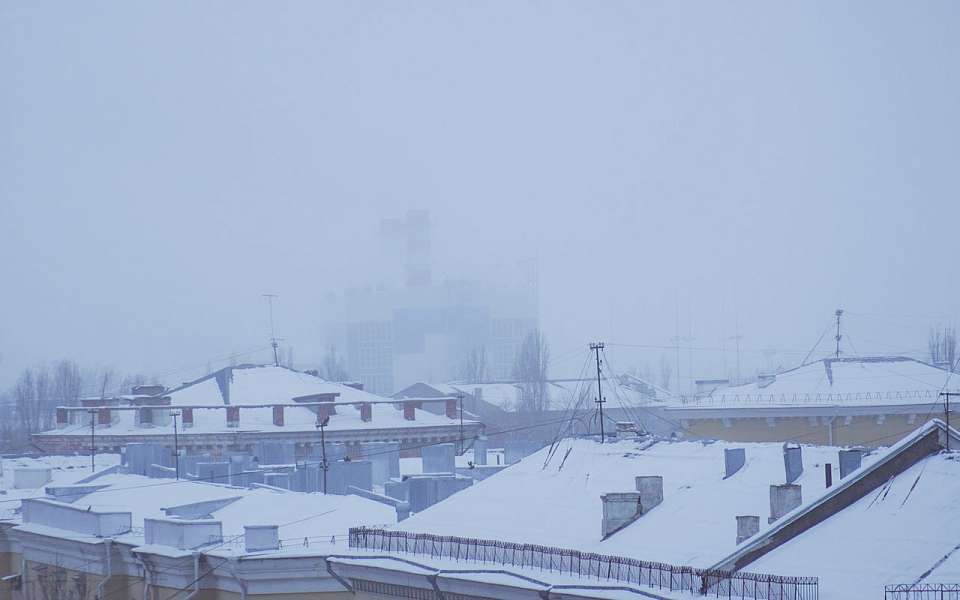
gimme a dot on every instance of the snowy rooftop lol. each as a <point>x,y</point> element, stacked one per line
<point>907,528</point>
<point>854,381</point>
<point>316,518</point>
<point>64,470</point>
<point>562,394</point>
<point>559,505</point>
<point>259,385</point>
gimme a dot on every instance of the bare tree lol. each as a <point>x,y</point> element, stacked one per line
<point>942,344</point>
<point>67,383</point>
<point>473,369</point>
<point>530,370</point>
<point>332,368</point>
<point>105,382</point>
<point>665,372</point>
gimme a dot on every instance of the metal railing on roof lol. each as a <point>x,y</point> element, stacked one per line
<point>587,565</point>
<point>807,399</point>
<point>922,591</point>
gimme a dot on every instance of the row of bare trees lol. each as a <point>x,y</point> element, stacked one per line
<point>30,404</point>
<point>942,345</point>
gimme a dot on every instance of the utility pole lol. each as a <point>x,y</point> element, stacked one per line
<point>321,423</point>
<point>93,448</point>
<point>596,350</point>
<point>176,443</point>
<point>946,397</point>
<point>837,337</point>
<point>460,399</point>
<point>273,335</point>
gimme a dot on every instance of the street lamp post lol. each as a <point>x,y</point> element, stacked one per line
<point>321,423</point>
<point>176,443</point>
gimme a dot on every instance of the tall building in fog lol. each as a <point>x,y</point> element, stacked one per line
<point>407,324</point>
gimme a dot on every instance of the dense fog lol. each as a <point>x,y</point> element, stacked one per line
<point>703,172</point>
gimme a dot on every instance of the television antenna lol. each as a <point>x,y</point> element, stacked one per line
<point>274,340</point>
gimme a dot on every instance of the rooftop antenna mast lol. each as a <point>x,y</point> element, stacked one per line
<point>838,314</point>
<point>596,348</point>
<point>273,335</point>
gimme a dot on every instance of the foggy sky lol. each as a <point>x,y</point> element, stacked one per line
<point>164,164</point>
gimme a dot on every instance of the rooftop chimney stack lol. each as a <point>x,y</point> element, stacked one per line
<point>278,416</point>
<point>651,491</point>
<point>850,461</point>
<point>619,510</point>
<point>410,410</point>
<point>233,416</point>
<point>733,460</point>
<point>366,412</point>
<point>783,499</point>
<point>792,462</point>
<point>186,415</point>
<point>747,527</point>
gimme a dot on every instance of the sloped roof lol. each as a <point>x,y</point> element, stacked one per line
<point>902,527</point>
<point>562,394</point>
<point>560,506</point>
<point>257,385</point>
<point>846,380</point>
<point>261,384</point>
<point>891,536</point>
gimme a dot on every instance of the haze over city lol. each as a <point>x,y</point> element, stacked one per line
<point>755,163</point>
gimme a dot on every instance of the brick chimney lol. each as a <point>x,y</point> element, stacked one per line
<point>187,414</point>
<point>324,412</point>
<point>62,419</point>
<point>452,412</point>
<point>366,412</point>
<point>103,417</point>
<point>233,416</point>
<point>409,410</point>
<point>278,416</point>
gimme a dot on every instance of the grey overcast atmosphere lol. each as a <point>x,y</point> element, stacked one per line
<point>705,171</point>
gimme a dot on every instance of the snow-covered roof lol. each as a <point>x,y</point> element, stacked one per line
<point>562,394</point>
<point>559,504</point>
<point>891,536</point>
<point>64,470</point>
<point>853,381</point>
<point>318,518</point>
<point>260,385</point>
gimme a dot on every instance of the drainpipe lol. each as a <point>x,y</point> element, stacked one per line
<point>830,429</point>
<point>231,567</point>
<point>107,542</point>
<point>196,576</point>
<point>146,574</point>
